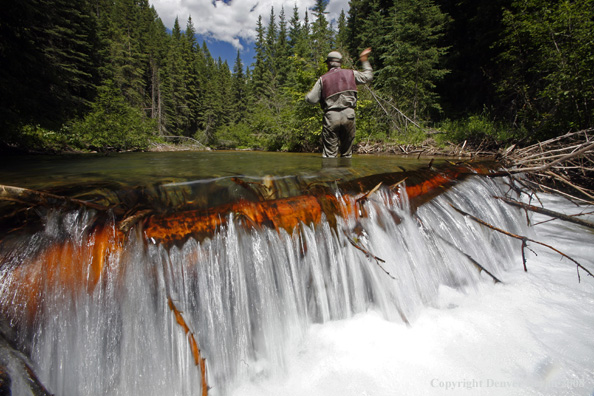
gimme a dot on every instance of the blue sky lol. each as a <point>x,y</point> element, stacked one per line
<point>227,51</point>
<point>230,25</point>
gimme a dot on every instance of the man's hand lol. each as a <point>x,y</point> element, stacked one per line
<point>364,54</point>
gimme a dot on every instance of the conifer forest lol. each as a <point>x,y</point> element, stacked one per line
<point>106,75</point>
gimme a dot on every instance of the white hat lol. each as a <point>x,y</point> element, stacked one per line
<point>334,56</point>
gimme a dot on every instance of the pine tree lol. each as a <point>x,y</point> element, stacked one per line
<point>294,30</point>
<point>157,43</point>
<point>271,47</point>
<point>283,52</point>
<point>49,67</point>
<point>411,65</point>
<point>212,100</point>
<point>193,84</point>
<point>176,91</point>
<point>357,36</point>
<point>124,59</point>
<point>370,24</point>
<point>341,40</point>
<point>239,90</point>
<point>299,36</point>
<point>321,35</point>
<point>260,73</point>
<point>225,94</point>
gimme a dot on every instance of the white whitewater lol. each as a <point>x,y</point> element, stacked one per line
<point>276,314</point>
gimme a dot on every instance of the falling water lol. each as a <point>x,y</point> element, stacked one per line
<point>248,295</point>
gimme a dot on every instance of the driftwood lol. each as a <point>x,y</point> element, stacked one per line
<point>564,165</point>
<point>368,254</point>
<point>478,265</point>
<point>34,198</point>
<point>198,359</point>
<point>524,240</point>
<point>556,215</point>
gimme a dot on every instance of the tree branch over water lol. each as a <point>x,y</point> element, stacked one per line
<point>553,214</point>
<point>524,240</point>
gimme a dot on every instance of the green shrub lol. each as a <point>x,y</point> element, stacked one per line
<point>475,129</point>
<point>37,138</point>
<point>113,124</point>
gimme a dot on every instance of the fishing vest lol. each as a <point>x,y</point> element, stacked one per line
<point>338,80</point>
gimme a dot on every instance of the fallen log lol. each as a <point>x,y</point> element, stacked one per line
<point>289,213</point>
<point>77,266</point>
<point>556,215</point>
<point>33,197</point>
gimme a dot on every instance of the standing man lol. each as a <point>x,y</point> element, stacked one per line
<point>336,91</point>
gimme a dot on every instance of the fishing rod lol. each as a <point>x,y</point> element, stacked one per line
<point>377,98</point>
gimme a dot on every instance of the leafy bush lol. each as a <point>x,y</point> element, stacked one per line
<point>113,124</point>
<point>37,138</point>
<point>475,129</point>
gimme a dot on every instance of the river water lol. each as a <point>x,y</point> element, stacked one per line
<point>276,313</point>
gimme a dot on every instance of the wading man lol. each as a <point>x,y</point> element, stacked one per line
<point>336,92</point>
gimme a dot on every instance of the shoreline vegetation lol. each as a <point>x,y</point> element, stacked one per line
<point>464,79</point>
<point>562,165</point>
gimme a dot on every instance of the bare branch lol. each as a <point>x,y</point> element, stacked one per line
<point>522,238</point>
<point>548,212</point>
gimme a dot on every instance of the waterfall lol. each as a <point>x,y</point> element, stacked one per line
<point>248,295</point>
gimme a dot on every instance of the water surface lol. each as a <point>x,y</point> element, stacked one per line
<point>142,169</point>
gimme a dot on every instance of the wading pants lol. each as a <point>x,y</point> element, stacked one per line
<point>338,133</point>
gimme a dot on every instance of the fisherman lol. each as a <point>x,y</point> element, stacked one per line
<point>336,91</point>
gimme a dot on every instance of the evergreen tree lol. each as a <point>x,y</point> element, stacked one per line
<point>239,90</point>
<point>299,36</point>
<point>212,100</point>
<point>294,30</point>
<point>176,91</point>
<point>371,24</point>
<point>321,35</point>
<point>49,67</point>
<point>283,51</point>
<point>271,47</point>
<point>260,74</point>
<point>158,40</point>
<point>225,94</point>
<point>411,65</point>
<point>191,54</point>
<point>125,59</point>
<point>357,35</point>
<point>341,40</point>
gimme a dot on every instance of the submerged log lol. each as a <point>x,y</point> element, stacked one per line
<point>33,197</point>
<point>67,266</point>
<point>78,266</point>
<point>286,213</point>
<point>289,213</point>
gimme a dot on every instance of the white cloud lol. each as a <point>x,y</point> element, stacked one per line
<point>235,19</point>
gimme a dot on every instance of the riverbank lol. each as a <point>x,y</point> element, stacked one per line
<point>428,148</point>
